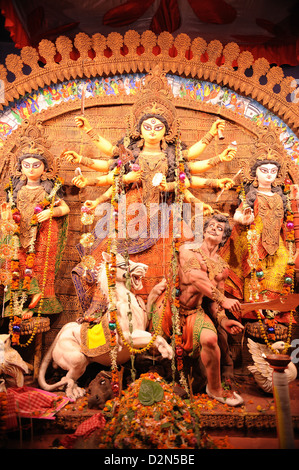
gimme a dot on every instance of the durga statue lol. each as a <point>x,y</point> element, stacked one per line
<point>148,164</point>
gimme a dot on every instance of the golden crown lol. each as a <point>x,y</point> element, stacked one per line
<point>155,97</point>
<point>267,147</point>
<point>33,141</point>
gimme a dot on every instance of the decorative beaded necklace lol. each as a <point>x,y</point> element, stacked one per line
<point>177,361</point>
<point>112,309</point>
<point>19,290</point>
<point>258,278</point>
<point>111,276</point>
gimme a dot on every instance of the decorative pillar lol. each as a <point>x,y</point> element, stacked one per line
<point>279,362</point>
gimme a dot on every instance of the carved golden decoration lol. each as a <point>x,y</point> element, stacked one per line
<point>267,147</point>
<point>134,52</point>
<point>31,139</point>
<point>155,97</point>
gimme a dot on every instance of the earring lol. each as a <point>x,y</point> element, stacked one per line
<point>255,182</point>
<point>164,144</point>
<point>140,143</point>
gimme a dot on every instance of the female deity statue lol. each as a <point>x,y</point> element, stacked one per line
<point>37,241</point>
<point>152,136</point>
<point>261,250</point>
<point>150,146</point>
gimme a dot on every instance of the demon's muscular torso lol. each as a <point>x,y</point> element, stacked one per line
<point>201,276</point>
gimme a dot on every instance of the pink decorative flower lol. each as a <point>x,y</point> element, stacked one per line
<point>135,167</point>
<point>38,208</point>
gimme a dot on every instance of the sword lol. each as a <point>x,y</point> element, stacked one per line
<point>281,304</point>
<point>222,190</point>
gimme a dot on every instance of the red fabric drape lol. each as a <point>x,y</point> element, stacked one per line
<point>280,55</point>
<point>281,49</point>
<point>13,24</point>
<point>126,13</point>
<point>167,17</point>
<point>213,11</point>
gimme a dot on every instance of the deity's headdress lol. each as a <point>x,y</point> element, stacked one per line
<point>32,142</point>
<point>267,147</point>
<point>155,97</point>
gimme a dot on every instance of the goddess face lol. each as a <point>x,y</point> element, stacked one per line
<point>152,130</point>
<point>266,174</point>
<point>32,168</point>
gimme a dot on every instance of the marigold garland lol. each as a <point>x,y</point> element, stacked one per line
<point>114,326</point>
<point>257,282</point>
<point>111,279</point>
<point>154,336</point>
<point>176,242</point>
<point>17,300</point>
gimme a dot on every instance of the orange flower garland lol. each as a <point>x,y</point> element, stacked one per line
<point>258,278</point>
<point>175,307</point>
<point>111,279</point>
<point>16,327</point>
<point>114,326</point>
<point>17,298</point>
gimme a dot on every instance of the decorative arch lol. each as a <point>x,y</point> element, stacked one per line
<point>116,54</point>
<point>263,93</point>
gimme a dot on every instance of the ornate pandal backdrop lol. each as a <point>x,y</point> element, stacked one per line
<point>207,80</point>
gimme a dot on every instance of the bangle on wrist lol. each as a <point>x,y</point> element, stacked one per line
<point>87,161</point>
<point>207,138</point>
<point>220,316</point>
<point>217,296</point>
<point>92,134</point>
<point>211,183</point>
<point>215,160</point>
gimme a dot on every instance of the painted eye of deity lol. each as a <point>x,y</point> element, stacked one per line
<point>158,127</point>
<point>34,165</point>
<point>267,171</point>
